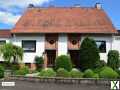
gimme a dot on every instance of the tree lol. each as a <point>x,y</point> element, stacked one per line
<point>113,59</point>
<point>11,53</point>
<point>89,54</point>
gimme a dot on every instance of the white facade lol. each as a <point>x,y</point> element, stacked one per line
<point>116,43</point>
<point>112,43</point>
<point>40,47</point>
<point>62,44</point>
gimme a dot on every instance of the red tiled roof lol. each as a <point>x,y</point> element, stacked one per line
<point>5,33</point>
<point>64,20</point>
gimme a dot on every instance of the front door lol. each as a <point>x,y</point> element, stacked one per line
<point>74,55</point>
<point>51,56</point>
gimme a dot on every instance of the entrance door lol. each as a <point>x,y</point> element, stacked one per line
<point>51,56</point>
<point>74,54</point>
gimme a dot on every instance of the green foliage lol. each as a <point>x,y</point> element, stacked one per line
<point>61,72</point>
<point>95,75</point>
<point>1,72</point>
<point>89,54</point>
<point>22,71</point>
<point>39,62</point>
<point>108,72</point>
<point>15,67</point>
<point>48,72</point>
<point>88,73</point>
<point>75,73</point>
<point>10,51</point>
<point>100,64</point>
<point>113,59</point>
<point>63,62</point>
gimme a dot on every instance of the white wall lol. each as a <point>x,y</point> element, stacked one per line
<point>40,47</point>
<point>108,39</point>
<point>116,43</point>
<point>62,44</point>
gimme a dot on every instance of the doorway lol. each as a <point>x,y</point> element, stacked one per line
<point>51,56</point>
<point>75,58</point>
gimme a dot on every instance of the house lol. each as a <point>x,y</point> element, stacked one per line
<point>55,31</point>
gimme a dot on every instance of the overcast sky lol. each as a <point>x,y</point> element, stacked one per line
<point>11,10</point>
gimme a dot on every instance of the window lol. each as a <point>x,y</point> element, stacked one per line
<point>29,45</point>
<point>101,46</point>
<point>2,42</point>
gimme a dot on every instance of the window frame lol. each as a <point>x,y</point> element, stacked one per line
<point>29,41</point>
<point>99,48</point>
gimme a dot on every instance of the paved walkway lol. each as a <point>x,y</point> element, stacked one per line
<point>25,85</point>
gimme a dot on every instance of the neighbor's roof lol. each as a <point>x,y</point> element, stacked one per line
<point>64,20</point>
<point>5,33</point>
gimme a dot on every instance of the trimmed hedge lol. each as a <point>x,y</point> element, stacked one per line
<point>63,61</point>
<point>75,73</point>
<point>109,73</point>
<point>48,72</point>
<point>1,72</point>
<point>90,74</point>
<point>61,72</point>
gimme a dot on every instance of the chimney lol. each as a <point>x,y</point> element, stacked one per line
<point>30,6</point>
<point>98,6</point>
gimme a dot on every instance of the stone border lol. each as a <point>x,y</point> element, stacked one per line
<point>88,81</point>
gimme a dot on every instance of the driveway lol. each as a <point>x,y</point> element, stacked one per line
<point>25,85</point>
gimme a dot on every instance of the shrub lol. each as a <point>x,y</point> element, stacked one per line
<point>75,73</point>
<point>88,73</point>
<point>22,71</point>
<point>39,62</point>
<point>48,72</point>
<point>61,72</point>
<point>1,72</point>
<point>100,64</point>
<point>113,59</point>
<point>63,62</point>
<point>15,67</point>
<point>89,54</point>
<point>108,72</point>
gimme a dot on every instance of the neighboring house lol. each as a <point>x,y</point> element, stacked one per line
<point>55,31</point>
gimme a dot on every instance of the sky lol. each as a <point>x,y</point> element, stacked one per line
<point>12,10</point>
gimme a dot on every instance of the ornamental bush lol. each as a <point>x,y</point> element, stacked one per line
<point>1,72</point>
<point>63,61</point>
<point>108,72</point>
<point>100,64</point>
<point>113,59</point>
<point>22,71</point>
<point>48,72</point>
<point>39,62</point>
<point>61,72</point>
<point>75,73</point>
<point>15,67</point>
<point>88,73</point>
<point>89,54</point>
